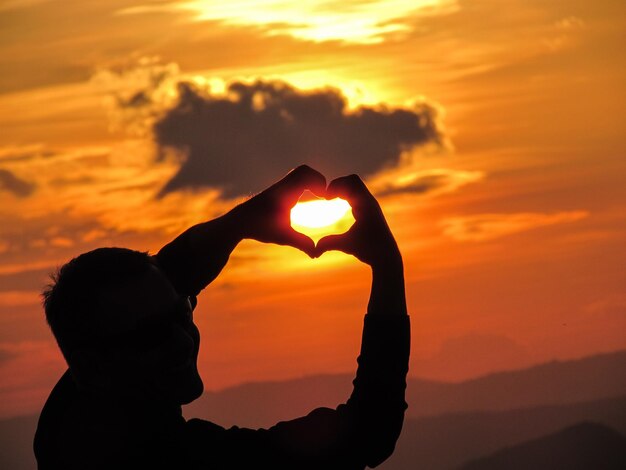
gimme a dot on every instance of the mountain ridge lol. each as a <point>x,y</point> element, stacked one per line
<point>260,404</point>
<point>581,446</point>
<point>447,441</point>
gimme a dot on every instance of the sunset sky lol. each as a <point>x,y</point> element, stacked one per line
<point>492,132</point>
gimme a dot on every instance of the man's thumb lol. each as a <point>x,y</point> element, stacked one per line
<point>332,242</point>
<point>300,241</point>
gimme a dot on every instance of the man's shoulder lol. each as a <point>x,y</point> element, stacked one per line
<point>200,429</point>
<point>71,431</point>
<point>60,430</point>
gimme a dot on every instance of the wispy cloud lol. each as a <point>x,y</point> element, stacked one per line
<point>408,181</point>
<point>18,298</point>
<point>484,227</point>
<point>320,20</point>
<point>17,4</point>
<point>610,305</point>
<point>137,94</point>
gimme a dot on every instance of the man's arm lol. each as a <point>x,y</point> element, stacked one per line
<point>197,256</point>
<point>378,396</point>
<point>364,430</point>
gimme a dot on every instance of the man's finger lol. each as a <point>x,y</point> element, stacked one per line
<point>305,177</point>
<point>352,189</point>
<point>300,241</point>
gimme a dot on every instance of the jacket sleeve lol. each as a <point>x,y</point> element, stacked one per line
<point>363,431</point>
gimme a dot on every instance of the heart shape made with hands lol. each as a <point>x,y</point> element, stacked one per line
<point>318,217</point>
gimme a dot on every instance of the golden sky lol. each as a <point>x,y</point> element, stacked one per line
<point>492,133</point>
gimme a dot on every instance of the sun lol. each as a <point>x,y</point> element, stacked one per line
<point>321,217</point>
<point>320,213</point>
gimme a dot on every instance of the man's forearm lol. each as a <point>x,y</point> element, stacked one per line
<point>197,256</point>
<point>387,295</point>
<point>378,396</point>
<point>377,402</point>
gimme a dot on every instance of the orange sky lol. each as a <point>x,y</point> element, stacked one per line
<point>511,226</point>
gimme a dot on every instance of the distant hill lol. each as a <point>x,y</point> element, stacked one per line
<point>16,443</point>
<point>448,441</point>
<point>558,382</point>
<point>583,446</point>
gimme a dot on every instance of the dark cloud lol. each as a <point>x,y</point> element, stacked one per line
<point>240,141</point>
<point>11,183</point>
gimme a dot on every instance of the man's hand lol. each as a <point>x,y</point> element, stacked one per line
<point>369,239</point>
<point>266,216</point>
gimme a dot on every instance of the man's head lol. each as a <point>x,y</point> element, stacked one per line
<point>123,328</point>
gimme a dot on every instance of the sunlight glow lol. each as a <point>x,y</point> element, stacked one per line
<point>322,217</point>
<point>320,213</point>
<point>364,22</point>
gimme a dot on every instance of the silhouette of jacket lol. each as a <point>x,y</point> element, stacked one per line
<point>76,433</point>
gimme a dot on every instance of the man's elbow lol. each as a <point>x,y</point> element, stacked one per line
<point>381,440</point>
<point>381,454</point>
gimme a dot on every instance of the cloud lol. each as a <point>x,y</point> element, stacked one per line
<point>15,185</point>
<point>239,141</point>
<point>19,153</point>
<point>366,23</point>
<point>483,227</point>
<point>403,180</point>
<point>19,298</point>
<point>31,280</point>
<point>613,305</point>
<point>17,4</point>
<point>138,93</point>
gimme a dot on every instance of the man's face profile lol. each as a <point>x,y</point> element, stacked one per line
<point>150,343</point>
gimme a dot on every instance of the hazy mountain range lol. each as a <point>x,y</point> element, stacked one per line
<point>579,447</point>
<point>262,404</point>
<point>448,424</point>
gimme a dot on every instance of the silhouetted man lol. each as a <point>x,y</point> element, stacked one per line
<point>124,322</point>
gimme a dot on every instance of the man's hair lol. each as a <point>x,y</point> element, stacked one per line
<point>71,300</point>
